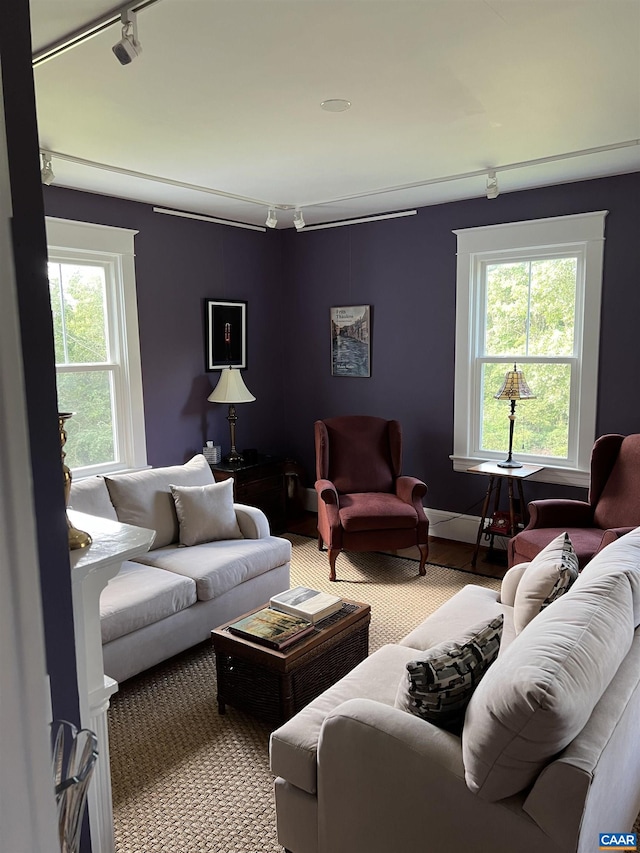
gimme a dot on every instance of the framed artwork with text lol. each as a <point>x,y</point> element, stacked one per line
<point>351,340</point>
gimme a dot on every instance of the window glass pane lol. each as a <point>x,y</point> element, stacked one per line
<point>90,433</point>
<point>507,304</point>
<point>541,425</point>
<point>55,295</point>
<point>83,321</point>
<point>553,298</point>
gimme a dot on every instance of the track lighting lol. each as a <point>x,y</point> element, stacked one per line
<point>298,220</point>
<point>492,185</point>
<point>128,47</point>
<point>272,218</point>
<point>46,173</point>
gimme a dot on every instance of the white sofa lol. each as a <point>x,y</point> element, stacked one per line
<point>170,599</point>
<point>549,755</point>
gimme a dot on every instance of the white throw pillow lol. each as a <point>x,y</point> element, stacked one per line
<point>206,513</point>
<point>547,577</point>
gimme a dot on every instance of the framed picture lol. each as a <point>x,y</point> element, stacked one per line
<point>225,334</point>
<point>351,340</point>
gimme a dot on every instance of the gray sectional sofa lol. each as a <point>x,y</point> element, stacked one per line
<point>549,753</point>
<point>169,599</point>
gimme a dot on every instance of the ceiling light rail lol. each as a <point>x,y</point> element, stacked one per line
<point>479,173</point>
<point>157,179</point>
<point>88,31</point>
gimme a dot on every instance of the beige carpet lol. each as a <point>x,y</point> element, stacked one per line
<point>187,780</point>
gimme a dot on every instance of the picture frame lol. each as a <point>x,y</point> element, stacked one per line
<point>351,340</point>
<point>225,334</point>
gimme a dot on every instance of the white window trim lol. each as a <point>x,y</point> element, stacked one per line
<point>554,233</point>
<point>106,243</point>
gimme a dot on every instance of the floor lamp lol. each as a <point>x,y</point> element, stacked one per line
<point>514,388</point>
<point>231,389</point>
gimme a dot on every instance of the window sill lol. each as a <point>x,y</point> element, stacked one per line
<point>550,474</point>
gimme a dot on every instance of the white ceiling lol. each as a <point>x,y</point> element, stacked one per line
<point>226,97</point>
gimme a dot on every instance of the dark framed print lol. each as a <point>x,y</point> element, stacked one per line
<point>225,334</point>
<point>351,340</point>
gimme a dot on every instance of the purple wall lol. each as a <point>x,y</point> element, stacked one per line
<point>180,262</point>
<point>405,268</point>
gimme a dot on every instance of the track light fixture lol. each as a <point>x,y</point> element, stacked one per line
<point>128,47</point>
<point>272,218</point>
<point>298,219</point>
<point>46,173</point>
<point>492,185</point>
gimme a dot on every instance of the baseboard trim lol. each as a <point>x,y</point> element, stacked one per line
<point>445,525</point>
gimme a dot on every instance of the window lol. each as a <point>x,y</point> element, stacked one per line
<point>528,293</point>
<point>93,302</point>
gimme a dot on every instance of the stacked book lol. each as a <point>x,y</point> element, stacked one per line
<point>291,616</point>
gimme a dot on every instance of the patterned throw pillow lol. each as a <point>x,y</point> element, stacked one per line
<point>439,686</point>
<point>548,576</point>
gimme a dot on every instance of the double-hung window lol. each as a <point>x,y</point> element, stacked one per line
<point>97,350</point>
<point>528,293</point>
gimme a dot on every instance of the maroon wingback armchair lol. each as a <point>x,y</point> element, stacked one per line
<point>364,504</point>
<point>612,509</point>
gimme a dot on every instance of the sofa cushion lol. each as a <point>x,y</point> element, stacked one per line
<point>540,693</point>
<point>140,595</point>
<point>144,498</point>
<point>91,496</point>
<point>457,617</point>
<point>217,567</point>
<point>206,513</point>
<point>438,685</point>
<point>547,577</point>
<point>294,746</point>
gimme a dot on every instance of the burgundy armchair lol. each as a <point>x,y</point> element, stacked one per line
<point>364,504</point>
<point>613,507</point>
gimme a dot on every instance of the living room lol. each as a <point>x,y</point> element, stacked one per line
<point>404,268</point>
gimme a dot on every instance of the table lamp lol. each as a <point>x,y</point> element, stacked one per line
<point>231,389</point>
<point>514,388</point>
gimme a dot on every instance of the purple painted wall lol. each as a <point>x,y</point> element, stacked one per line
<point>180,262</point>
<point>405,268</point>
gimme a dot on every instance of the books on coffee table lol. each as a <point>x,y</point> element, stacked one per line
<point>309,604</point>
<point>271,628</point>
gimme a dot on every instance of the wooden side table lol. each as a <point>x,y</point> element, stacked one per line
<point>496,476</point>
<point>261,483</point>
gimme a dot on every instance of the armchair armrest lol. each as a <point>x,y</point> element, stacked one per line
<point>385,777</point>
<point>555,512</point>
<point>327,492</point>
<point>612,534</point>
<point>410,489</point>
<point>252,522</point>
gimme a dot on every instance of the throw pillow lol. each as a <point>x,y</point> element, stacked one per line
<point>547,577</point>
<point>439,686</point>
<point>206,513</point>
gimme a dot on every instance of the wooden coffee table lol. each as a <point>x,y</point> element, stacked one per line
<point>275,685</point>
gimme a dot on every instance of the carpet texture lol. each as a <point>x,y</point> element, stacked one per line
<point>187,780</point>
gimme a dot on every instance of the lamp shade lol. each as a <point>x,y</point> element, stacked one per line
<point>515,387</point>
<point>230,388</point>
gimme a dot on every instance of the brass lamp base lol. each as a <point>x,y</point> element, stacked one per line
<point>77,538</point>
